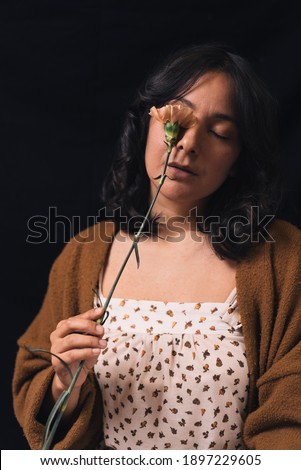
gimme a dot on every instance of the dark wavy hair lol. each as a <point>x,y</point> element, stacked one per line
<point>243,200</point>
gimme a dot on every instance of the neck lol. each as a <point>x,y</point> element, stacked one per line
<point>181,209</point>
<point>176,217</point>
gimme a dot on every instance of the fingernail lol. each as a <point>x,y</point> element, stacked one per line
<point>102,343</point>
<point>95,350</point>
<point>99,328</point>
<point>98,309</point>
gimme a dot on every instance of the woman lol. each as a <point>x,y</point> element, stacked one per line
<point>201,349</point>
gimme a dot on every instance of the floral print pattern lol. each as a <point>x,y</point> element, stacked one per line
<point>174,375</point>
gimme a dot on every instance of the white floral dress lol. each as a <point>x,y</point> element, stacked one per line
<point>174,375</point>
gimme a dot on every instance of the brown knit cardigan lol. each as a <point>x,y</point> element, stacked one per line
<point>268,292</point>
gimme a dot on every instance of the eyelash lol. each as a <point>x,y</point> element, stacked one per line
<point>221,137</point>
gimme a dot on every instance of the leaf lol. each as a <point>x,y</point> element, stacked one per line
<point>137,254</point>
<point>98,296</point>
<point>56,413</point>
<point>104,317</point>
<point>33,350</point>
<point>172,179</point>
<point>58,410</point>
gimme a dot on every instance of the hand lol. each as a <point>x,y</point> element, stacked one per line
<point>76,339</point>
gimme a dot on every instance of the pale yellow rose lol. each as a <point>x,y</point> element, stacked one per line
<point>173,113</point>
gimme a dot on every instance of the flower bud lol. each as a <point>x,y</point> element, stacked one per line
<point>173,116</point>
<point>171,131</point>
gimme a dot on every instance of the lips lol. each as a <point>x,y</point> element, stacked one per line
<point>183,168</point>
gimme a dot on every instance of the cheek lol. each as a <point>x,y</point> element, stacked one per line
<point>234,157</point>
<point>149,154</point>
<point>155,147</point>
<point>223,161</point>
<point>227,154</point>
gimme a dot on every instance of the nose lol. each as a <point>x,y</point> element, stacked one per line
<point>189,141</point>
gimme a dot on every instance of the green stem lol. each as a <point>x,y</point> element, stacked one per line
<point>54,416</point>
<point>58,411</point>
<point>163,176</point>
<point>59,407</point>
<point>117,278</point>
<point>138,234</point>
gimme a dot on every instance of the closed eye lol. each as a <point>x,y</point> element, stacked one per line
<point>218,136</point>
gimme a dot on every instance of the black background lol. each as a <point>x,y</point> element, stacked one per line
<point>69,69</point>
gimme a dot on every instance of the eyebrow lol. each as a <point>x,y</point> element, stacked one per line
<point>224,117</point>
<point>219,116</point>
<point>187,102</point>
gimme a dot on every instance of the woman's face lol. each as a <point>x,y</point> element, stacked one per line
<point>205,153</point>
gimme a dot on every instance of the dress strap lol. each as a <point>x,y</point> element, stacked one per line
<point>233,302</point>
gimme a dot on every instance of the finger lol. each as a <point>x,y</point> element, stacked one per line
<point>92,314</point>
<point>90,363</point>
<point>77,341</point>
<point>75,356</point>
<point>77,325</point>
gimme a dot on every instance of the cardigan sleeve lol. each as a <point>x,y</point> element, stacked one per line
<point>33,372</point>
<point>276,421</point>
